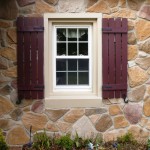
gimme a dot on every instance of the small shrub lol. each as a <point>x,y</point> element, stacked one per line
<point>41,141</point>
<point>79,142</point>
<point>3,145</point>
<point>65,142</point>
<point>127,138</point>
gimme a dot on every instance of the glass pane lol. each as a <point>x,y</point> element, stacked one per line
<point>61,78</point>
<point>83,48</point>
<point>72,34</point>
<point>60,65</point>
<point>83,78</point>
<point>61,49</point>
<point>61,34</point>
<point>83,34</point>
<point>72,64</point>
<point>72,78</point>
<point>72,48</point>
<point>83,64</point>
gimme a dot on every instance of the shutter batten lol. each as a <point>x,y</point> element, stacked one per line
<point>114,45</point>
<point>30,53</point>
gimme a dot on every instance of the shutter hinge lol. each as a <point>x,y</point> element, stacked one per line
<point>107,29</point>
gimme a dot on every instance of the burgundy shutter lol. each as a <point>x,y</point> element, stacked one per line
<point>114,45</point>
<point>30,53</point>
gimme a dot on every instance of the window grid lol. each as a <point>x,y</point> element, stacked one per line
<point>76,57</point>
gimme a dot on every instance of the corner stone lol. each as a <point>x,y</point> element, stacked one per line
<point>104,123</point>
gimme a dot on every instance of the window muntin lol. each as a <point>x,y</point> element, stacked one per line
<point>72,56</point>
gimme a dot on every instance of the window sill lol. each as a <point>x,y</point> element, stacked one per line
<point>58,102</point>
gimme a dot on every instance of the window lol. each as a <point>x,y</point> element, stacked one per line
<point>72,60</point>
<point>72,57</point>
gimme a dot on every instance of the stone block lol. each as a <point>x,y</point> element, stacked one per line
<point>5,106</point>
<point>114,110</point>
<point>92,111</point>
<point>144,63</point>
<point>17,136</point>
<point>37,121</point>
<point>120,122</point>
<point>141,29</point>
<point>100,7</point>
<point>25,2</point>
<point>137,94</point>
<point>145,12</point>
<point>73,115</point>
<point>133,113</point>
<point>55,114</point>
<point>137,76</point>
<point>132,52</point>
<point>104,123</point>
<point>146,107</point>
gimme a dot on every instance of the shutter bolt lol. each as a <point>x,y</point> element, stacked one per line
<point>125,98</point>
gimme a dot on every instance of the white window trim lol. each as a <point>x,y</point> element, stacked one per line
<point>63,99</point>
<point>89,57</point>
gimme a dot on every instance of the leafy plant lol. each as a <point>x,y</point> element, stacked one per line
<point>127,138</point>
<point>65,142</point>
<point>41,141</point>
<point>3,145</point>
<point>148,143</point>
<point>79,142</point>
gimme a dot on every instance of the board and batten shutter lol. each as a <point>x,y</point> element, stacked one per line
<point>114,53</point>
<point>30,51</point>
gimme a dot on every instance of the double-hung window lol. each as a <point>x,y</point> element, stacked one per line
<point>73,59</point>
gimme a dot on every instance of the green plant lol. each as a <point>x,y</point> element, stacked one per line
<point>65,142</point>
<point>148,143</point>
<point>3,145</point>
<point>79,142</point>
<point>127,138</point>
<point>41,141</point>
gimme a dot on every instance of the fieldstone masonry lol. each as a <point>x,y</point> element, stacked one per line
<point>114,118</point>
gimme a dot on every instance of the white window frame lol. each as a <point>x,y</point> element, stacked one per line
<point>64,98</point>
<point>89,57</point>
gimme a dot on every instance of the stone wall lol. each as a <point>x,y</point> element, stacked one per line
<point>115,117</point>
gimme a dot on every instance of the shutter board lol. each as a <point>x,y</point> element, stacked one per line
<point>30,58</point>
<point>114,44</point>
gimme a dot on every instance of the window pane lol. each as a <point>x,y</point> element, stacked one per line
<point>83,78</point>
<point>83,48</point>
<point>83,64</point>
<point>61,34</point>
<point>61,78</point>
<point>72,64</point>
<point>72,34</point>
<point>61,48</point>
<point>72,48</point>
<point>83,34</point>
<point>72,78</point>
<point>60,65</point>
